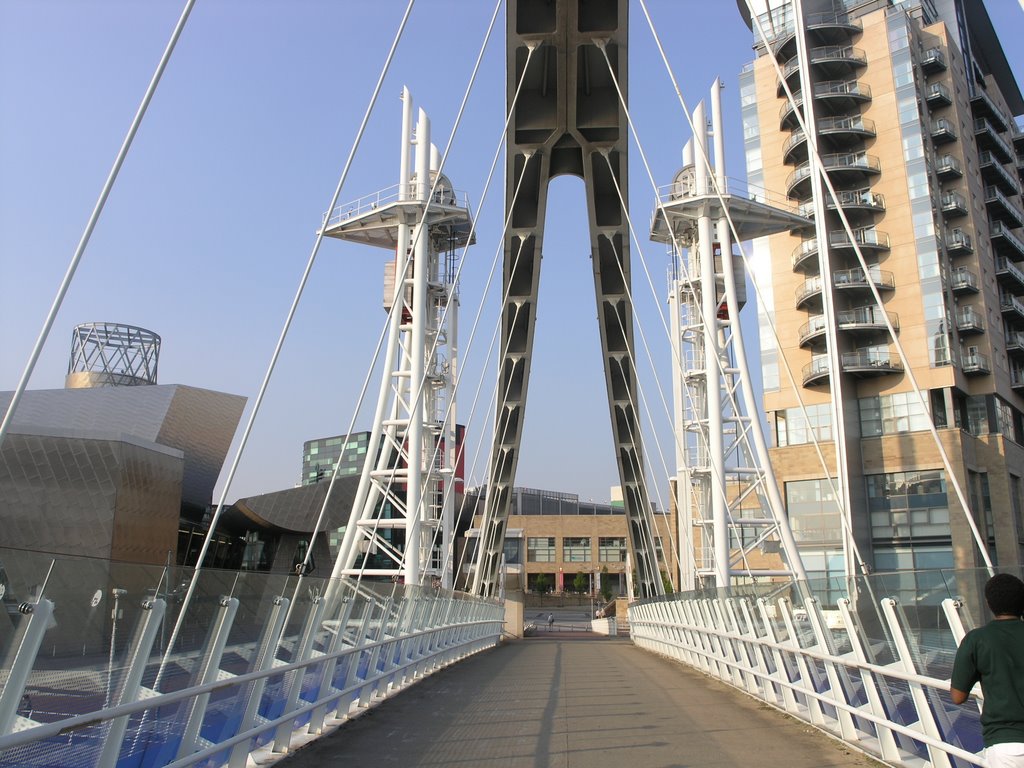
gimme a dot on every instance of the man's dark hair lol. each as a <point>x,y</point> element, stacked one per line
<point>1005,594</point>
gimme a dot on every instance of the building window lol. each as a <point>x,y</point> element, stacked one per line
<point>513,551</point>
<point>540,549</point>
<point>611,549</point>
<point>576,549</point>
<point>977,414</point>
<point>892,414</point>
<point>908,505</point>
<point>813,511</point>
<point>792,428</point>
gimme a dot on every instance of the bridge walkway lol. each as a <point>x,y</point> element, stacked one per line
<point>560,701</point>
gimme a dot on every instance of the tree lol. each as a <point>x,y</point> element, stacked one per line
<point>579,584</point>
<point>542,584</point>
<point>606,587</point>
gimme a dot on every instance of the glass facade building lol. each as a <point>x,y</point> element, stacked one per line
<point>914,111</point>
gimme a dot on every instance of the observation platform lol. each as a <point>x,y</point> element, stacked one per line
<point>565,702</point>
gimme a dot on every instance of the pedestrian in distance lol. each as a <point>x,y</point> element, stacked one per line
<point>993,655</point>
<point>551,621</point>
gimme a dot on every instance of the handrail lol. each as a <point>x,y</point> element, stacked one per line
<point>766,650</point>
<point>388,195</point>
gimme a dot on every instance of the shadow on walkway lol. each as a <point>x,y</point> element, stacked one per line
<point>573,703</point>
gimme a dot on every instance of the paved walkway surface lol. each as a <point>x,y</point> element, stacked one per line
<point>561,702</point>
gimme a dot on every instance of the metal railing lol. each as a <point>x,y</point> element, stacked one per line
<point>388,195</point>
<point>258,662</point>
<point>866,659</point>
<point>827,53</point>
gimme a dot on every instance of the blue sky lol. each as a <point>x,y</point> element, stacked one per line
<point>214,214</point>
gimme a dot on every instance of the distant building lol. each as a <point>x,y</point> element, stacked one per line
<point>320,456</point>
<point>553,536</point>
<point>914,108</point>
<point>115,466</point>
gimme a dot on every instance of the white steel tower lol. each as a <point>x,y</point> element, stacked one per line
<point>403,512</point>
<point>724,482</point>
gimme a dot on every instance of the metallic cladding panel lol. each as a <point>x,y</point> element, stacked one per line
<point>93,496</point>
<point>199,422</point>
<point>297,509</point>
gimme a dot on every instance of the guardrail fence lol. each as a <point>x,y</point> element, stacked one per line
<point>868,660</point>
<point>94,673</point>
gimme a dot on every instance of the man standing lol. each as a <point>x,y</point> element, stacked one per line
<point>551,621</point>
<point>994,656</point>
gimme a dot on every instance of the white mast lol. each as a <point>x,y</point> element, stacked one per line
<point>718,438</point>
<point>402,515</point>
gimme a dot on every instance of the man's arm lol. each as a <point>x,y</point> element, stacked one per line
<point>965,671</point>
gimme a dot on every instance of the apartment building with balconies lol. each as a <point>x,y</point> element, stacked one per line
<point>912,112</point>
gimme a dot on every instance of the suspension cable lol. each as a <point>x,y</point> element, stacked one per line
<point>797,568</point>
<point>818,168</point>
<point>450,487</point>
<point>757,289</point>
<point>280,344</point>
<point>94,217</point>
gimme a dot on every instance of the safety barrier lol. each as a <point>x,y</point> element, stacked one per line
<point>873,671</point>
<point>102,669</point>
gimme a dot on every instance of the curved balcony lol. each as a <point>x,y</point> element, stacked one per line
<point>824,28</point>
<point>842,131</point>
<point>843,168</point>
<point>816,371</point>
<point>864,363</point>
<point>867,239</point>
<point>832,61</point>
<point>856,279</point>
<point>808,291</point>
<point>812,331</point>
<point>805,256</point>
<point>834,95</point>
<point>850,200</point>
<point>869,320</point>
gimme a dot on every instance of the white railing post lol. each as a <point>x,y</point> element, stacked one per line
<point>838,681</point>
<point>149,624</point>
<point>768,692</point>
<point>39,615</point>
<point>789,701</point>
<point>744,652</point>
<point>905,661</point>
<point>886,738</point>
<point>263,661</point>
<point>208,672</point>
<point>319,715</point>
<point>814,711</point>
<point>293,681</point>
